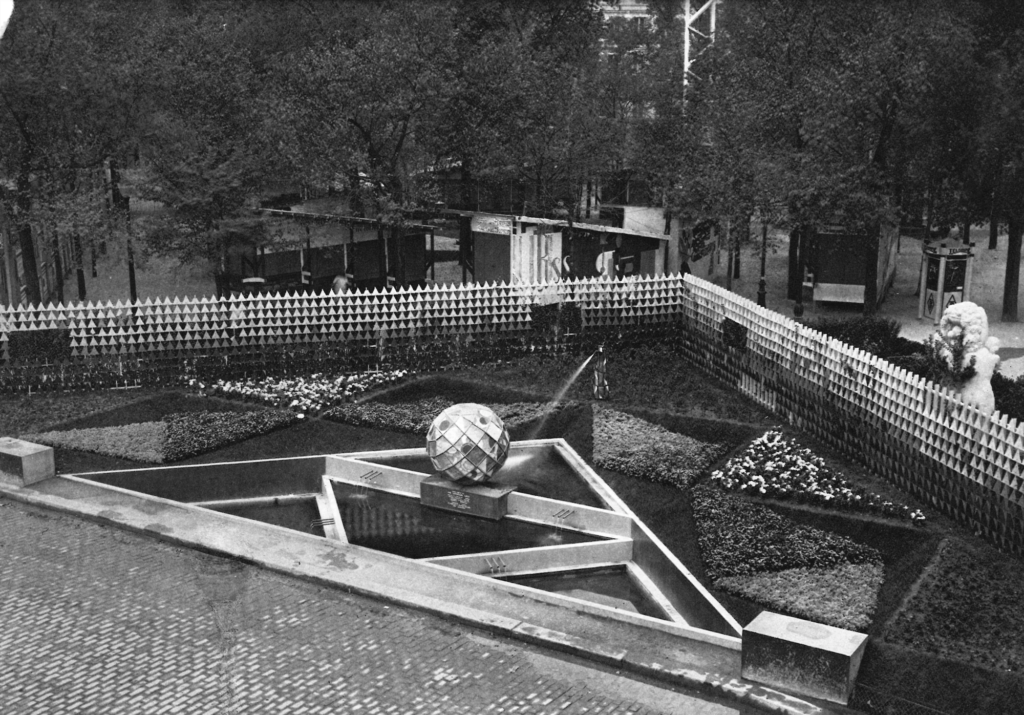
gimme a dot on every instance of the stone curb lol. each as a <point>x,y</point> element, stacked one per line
<point>710,684</point>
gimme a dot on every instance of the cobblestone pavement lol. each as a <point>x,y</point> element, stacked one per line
<point>98,620</point>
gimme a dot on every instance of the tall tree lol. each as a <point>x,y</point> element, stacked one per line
<point>69,101</point>
<point>1000,130</point>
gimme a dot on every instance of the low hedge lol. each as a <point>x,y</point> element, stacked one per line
<point>738,538</point>
<point>637,448</point>
<point>844,596</point>
<point>877,335</point>
<point>175,437</point>
<point>194,433</point>
<point>139,442</point>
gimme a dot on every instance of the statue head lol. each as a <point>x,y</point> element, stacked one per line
<point>966,319</point>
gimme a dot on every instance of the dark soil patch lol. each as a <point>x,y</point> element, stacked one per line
<point>457,390</point>
<point>898,677</point>
<point>969,607</point>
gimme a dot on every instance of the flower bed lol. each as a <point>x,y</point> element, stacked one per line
<point>777,468</point>
<point>193,433</point>
<point>737,538</point>
<point>844,596</point>
<point>305,395</point>
<point>638,448</point>
<point>176,437</point>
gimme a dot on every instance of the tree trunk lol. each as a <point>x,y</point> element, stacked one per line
<point>80,266</point>
<point>1012,284</point>
<point>132,290</point>
<point>29,267</point>
<point>929,208</point>
<point>729,254</point>
<point>58,268</point>
<point>794,285</point>
<point>993,226</point>
<point>466,187</point>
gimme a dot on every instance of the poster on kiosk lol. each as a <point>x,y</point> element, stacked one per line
<point>945,280</point>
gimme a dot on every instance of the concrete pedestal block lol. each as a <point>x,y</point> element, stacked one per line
<point>482,500</point>
<point>27,462</point>
<point>808,658</point>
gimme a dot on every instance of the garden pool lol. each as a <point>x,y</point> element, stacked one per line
<point>402,526</point>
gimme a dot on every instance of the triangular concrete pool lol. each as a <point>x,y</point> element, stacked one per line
<point>583,550</point>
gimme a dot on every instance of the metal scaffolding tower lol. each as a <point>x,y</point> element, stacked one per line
<point>699,20</point>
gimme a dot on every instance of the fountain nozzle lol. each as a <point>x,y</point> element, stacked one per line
<point>601,390</point>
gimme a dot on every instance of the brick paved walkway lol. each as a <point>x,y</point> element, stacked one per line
<point>98,620</point>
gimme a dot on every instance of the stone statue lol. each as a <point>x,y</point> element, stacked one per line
<point>968,323</point>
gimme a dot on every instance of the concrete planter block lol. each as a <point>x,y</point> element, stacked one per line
<point>27,462</point>
<point>808,658</point>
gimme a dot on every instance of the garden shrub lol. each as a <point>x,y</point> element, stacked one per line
<point>876,335</point>
<point>140,442</point>
<point>193,433</point>
<point>174,438</point>
<point>738,538</point>
<point>49,345</point>
<point>1009,394</point>
<point>844,596</point>
<point>777,468</point>
<point>637,448</point>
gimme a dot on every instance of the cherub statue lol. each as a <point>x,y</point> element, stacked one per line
<point>967,324</point>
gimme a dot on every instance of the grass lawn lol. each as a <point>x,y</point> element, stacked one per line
<point>917,652</point>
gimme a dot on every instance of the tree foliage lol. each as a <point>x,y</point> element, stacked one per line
<point>803,112</point>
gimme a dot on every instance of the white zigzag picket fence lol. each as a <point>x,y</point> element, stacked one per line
<point>909,430</point>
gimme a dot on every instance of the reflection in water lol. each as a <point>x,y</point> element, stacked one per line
<point>401,525</point>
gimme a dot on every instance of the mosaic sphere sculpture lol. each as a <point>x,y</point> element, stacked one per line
<point>467,442</point>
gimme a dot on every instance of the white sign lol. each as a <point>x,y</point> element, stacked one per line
<point>492,224</point>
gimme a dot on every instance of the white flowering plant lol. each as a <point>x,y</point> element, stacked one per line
<point>776,468</point>
<point>305,395</point>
